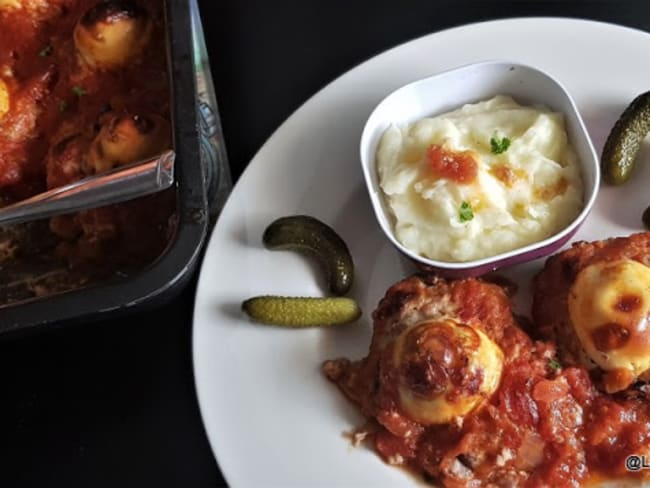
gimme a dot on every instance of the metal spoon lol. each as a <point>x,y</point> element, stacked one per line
<point>118,185</point>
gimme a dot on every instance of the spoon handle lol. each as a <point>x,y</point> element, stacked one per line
<point>118,185</point>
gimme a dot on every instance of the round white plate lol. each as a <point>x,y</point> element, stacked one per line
<point>271,418</point>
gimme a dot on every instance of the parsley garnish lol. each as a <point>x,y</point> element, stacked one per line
<point>79,91</point>
<point>554,364</point>
<point>465,214</point>
<point>499,146</point>
<point>63,106</point>
<point>46,51</point>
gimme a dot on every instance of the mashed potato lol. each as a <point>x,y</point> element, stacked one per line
<point>484,179</point>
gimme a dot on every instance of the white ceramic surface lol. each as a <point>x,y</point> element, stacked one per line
<point>270,416</point>
<point>452,89</point>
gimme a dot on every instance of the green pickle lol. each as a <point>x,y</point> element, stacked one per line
<point>624,141</point>
<point>310,236</point>
<point>298,312</point>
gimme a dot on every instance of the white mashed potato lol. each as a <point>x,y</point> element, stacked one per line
<point>526,193</point>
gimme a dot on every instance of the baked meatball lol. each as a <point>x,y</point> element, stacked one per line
<point>434,350</point>
<point>112,33</point>
<point>451,384</point>
<point>594,301</point>
<point>125,139</point>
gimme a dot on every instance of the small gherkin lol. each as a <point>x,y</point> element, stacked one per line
<point>299,312</point>
<point>624,140</point>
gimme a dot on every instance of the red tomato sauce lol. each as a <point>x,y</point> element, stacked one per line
<point>545,426</point>
<point>557,425</point>
<point>53,95</point>
<point>460,167</point>
<point>35,44</point>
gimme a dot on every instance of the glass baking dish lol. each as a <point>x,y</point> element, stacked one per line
<point>38,288</point>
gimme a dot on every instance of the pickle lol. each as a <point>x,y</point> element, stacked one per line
<point>624,141</point>
<point>300,312</point>
<point>312,237</point>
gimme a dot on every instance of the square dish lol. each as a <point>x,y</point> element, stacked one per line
<point>450,90</point>
<point>163,275</point>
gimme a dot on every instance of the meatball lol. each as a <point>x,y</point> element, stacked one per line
<point>436,351</point>
<point>127,139</point>
<point>112,33</point>
<point>594,300</point>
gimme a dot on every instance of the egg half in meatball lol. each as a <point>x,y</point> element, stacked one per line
<point>127,139</point>
<point>9,4</point>
<point>112,33</point>
<point>609,306</point>
<point>594,300</point>
<point>436,355</point>
<point>4,98</point>
<point>446,369</point>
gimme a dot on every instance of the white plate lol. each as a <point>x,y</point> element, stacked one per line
<point>270,416</point>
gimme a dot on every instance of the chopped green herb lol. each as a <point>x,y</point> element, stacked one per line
<point>499,146</point>
<point>465,213</point>
<point>554,364</point>
<point>63,106</point>
<point>46,51</point>
<point>79,91</point>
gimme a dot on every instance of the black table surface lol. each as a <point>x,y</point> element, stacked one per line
<point>112,403</point>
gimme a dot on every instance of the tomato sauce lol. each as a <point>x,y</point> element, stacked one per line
<point>545,426</point>
<point>54,95</point>
<point>460,167</point>
<point>36,44</point>
<point>557,425</point>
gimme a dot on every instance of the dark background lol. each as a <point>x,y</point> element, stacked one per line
<point>112,403</point>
